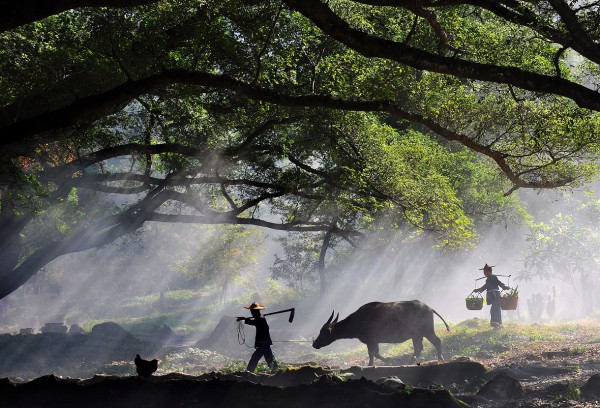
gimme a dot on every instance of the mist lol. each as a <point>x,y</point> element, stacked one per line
<point>126,279</point>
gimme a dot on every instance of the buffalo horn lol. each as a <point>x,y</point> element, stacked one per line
<point>330,317</point>
<point>336,318</point>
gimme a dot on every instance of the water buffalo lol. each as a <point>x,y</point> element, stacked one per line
<point>377,322</point>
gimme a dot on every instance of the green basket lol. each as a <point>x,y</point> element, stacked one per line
<point>474,303</point>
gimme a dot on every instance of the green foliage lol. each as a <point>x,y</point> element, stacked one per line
<point>513,292</point>
<point>475,338</point>
<point>195,361</point>
<point>221,255</point>
<point>573,392</point>
<point>435,155</point>
<point>297,269</point>
<point>278,293</point>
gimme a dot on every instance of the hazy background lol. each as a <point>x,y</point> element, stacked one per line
<point>123,282</point>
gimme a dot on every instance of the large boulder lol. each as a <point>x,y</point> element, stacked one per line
<point>111,331</point>
<point>5,385</point>
<point>393,383</point>
<point>501,387</point>
<point>54,328</point>
<point>223,337</point>
<point>591,389</point>
<point>76,329</point>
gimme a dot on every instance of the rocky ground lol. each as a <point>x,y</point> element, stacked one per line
<point>559,372</point>
<point>550,376</point>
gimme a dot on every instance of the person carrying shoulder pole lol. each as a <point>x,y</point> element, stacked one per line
<point>262,341</point>
<point>492,297</point>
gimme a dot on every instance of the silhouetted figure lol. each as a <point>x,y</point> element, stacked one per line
<point>262,342</point>
<point>145,368</point>
<point>551,305</point>
<point>535,305</point>
<point>492,296</point>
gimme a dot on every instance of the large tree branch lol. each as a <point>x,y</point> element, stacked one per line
<point>100,233</point>
<point>15,136</point>
<point>571,22</point>
<point>324,18</point>
<point>518,12</point>
<point>94,106</point>
<point>112,227</point>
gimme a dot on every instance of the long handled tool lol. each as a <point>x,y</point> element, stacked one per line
<point>241,335</point>
<point>291,319</point>
<point>292,312</point>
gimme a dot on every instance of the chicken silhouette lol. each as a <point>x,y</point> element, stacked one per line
<point>143,367</point>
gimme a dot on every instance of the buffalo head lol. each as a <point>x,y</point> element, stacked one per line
<point>326,336</point>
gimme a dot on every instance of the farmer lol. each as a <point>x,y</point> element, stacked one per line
<point>492,297</point>
<point>262,342</point>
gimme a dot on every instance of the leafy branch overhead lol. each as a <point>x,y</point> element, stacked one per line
<point>296,116</point>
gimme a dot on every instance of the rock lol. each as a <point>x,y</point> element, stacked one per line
<point>295,376</point>
<point>51,392</point>
<point>76,329</point>
<point>164,332</point>
<point>446,373</point>
<point>504,371</point>
<point>111,331</point>
<point>393,383</point>
<point>556,390</point>
<point>26,331</point>
<point>5,385</point>
<point>502,386</point>
<point>221,338</point>
<point>54,328</point>
<point>329,379</point>
<point>591,389</point>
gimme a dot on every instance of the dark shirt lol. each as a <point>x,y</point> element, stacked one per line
<point>263,338</point>
<point>492,283</point>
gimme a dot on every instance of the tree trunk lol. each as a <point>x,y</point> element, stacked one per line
<point>224,290</point>
<point>321,264</point>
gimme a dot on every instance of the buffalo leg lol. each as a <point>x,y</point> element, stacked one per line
<point>417,347</point>
<point>374,352</point>
<point>437,343</point>
<point>371,350</point>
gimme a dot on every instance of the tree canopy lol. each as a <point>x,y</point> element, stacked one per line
<point>295,115</point>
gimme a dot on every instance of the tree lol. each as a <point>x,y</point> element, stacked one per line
<point>223,254</point>
<point>298,266</point>
<point>271,106</point>
<point>566,248</point>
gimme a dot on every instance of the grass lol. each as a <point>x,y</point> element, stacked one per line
<point>194,361</point>
<point>474,338</point>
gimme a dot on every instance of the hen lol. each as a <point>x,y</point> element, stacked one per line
<point>143,367</point>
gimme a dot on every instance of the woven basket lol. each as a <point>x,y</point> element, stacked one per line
<point>509,303</point>
<point>474,303</point>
